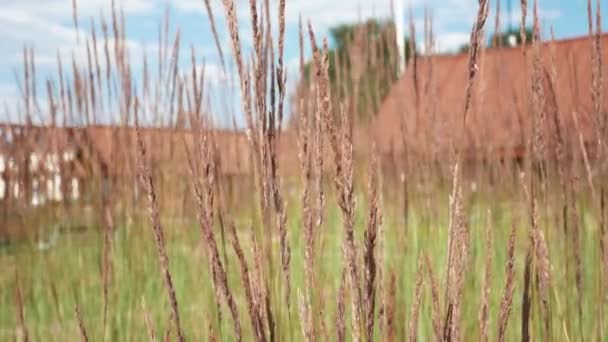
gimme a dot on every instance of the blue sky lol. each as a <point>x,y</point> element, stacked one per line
<point>47,26</point>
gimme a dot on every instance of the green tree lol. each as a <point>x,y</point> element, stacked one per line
<point>363,64</point>
<point>502,39</point>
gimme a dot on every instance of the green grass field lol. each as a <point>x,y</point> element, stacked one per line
<point>53,281</point>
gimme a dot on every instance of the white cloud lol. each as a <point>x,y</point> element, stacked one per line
<point>48,39</point>
<point>8,99</point>
<point>47,26</point>
<point>451,41</point>
<point>62,9</point>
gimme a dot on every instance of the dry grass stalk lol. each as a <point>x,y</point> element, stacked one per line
<point>458,232</point>
<point>231,19</point>
<point>204,195</point>
<point>604,237</point>
<point>145,177</point>
<point>599,109</point>
<point>541,254</point>
<point>271,132</point>
<point>285,255</point>
<point>551,106</point>
<point>168,331</point>
<point>259,287</point>
<point>435,305</point>
<point>341,308</point>
<point>23,333</point>
<point>544,270</point>
<point>305,317</point>
<point>415,309</point>
<point>506,302</point>
<point>369,254</point>
<point>597,72</point>
<point>305,155</point>
<point>458,250</point>
<point>474,50</point>
<point>257,320</point>
<point>484,315</point>
<point>211,335</point>
<point>341,145</point>
<point>576,247</point>
<point>526,308</point>
<point>539,151</point>
<point>346,202</point>
<point>148,322</point>
<point>108,228</point>
<point>522,25</point>
<point>281,72</point>
<point>214,32</point>
<point>538,93</point>
<point>81,328</point>
<point>390,308</point>
<point>583,149</point>
<point>279,205</point>
<point>381,318</point>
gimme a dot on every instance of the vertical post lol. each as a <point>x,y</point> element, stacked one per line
<point>400,33</point>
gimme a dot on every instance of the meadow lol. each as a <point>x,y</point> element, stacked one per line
<point>324,237</point>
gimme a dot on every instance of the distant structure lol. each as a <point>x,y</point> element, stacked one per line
<point>41,164</point>
<point>400,33</point>
<point>419,119</point>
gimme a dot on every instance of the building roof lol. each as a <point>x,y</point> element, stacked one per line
<point>501,115</point>
<point>114,148</point>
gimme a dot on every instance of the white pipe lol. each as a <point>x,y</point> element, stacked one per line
<point>400,34</point>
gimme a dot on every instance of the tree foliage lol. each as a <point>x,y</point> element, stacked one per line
<point>502,39</point>
<point>363,65</point>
